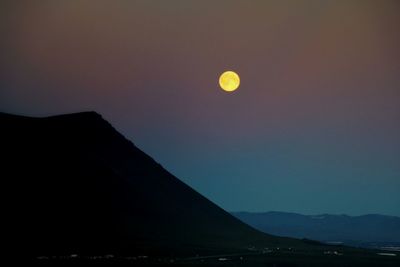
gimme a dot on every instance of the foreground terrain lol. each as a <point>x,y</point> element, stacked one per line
<point>275,257</point>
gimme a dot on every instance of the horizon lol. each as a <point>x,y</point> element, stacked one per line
<point>316,214</point>
<point>312,129</point>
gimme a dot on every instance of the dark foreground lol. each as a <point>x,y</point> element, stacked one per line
<point>276,257</point>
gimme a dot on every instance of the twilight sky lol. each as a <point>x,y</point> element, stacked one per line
<point>313,128</point>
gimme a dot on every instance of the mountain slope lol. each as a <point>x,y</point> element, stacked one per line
<point>74,184</point>
<point>358,230</point>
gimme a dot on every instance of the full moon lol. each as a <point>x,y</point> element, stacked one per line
<point>229,81</point>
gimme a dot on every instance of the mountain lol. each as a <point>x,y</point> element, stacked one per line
<point>368,230</point>
<point>73,184</point>
<point>73,188</point>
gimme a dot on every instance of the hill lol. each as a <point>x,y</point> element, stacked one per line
<point>76,185</point>
<point>75,191</point>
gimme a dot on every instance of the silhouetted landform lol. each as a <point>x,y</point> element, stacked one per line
<point>76,184</point>
<point>372,231</point>
<point>77,191</point>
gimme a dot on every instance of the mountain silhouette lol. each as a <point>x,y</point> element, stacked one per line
<point>370,230</point>
<point>73,184</point>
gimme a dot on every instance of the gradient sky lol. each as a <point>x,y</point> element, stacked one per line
<point>314,127</point>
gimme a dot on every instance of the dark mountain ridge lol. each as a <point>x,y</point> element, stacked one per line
<point>73,184</point>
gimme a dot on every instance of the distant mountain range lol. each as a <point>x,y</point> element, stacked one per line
<point>366,231</point>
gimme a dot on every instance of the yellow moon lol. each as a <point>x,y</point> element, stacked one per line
<point>229,81</point>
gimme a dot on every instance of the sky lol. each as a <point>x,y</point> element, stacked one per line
<point>313,128</point>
